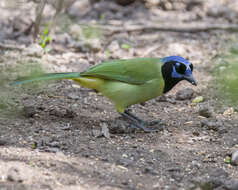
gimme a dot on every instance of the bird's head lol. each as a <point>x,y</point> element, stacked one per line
<point>176,69</point>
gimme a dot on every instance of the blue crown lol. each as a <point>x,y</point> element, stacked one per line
<point>176,59</point>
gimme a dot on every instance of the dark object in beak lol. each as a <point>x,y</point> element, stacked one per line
<point>191,79</point>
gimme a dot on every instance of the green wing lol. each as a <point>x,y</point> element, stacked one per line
<point>134,71</point>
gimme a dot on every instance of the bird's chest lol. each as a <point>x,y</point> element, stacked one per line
<point>152,89</point>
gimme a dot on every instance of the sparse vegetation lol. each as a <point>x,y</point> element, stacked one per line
<point>45,39</point>
<point>226,75</point>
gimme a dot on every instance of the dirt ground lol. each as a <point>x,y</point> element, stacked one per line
<point>60,140</point>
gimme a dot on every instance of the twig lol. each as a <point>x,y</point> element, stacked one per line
<point>190,28</point>
<point>11,47</point>
<point>39,11</point>
<point>59,7</point>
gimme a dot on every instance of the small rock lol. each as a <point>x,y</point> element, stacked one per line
<point>96,133</point>
<point>211,125</point>
<point>50,149</point>
<point>29,111</point>
<point>94,45</point>
<point>125,2</point>
<point>80,46</point>
<point>162,98</point>
<point>205,111</point>
<point>171,100</point>
<point>218,172</point>
<point>234,158</point>
<point>3,142</point>
<point>14,175</point>
<point>124,162</point>
<point>231,184</point>
<point>79,8</point>
<point>67,126</point>
<point>222,12</point>
<point>196,164</point>
<point>190,5</point>
<point>228,112</point>
<point>54,144</point>
<point>57,112</point>
<point>114,46</point>
<point>34,50</point>
<point>184,94</point>
<point>222,130</point>
<point>149,170</point>
<point>119,126</point>
<point>105,130</point>
<point>63,39</point>
<point>69,114</point>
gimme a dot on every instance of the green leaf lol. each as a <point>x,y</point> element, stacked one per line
<point>228,160</point>
<point>125,46</point>
<point>198,99</point>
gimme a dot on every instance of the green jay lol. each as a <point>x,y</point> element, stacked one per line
<point>130,81</point>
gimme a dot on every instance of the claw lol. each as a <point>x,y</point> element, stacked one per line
<point>139,123</point>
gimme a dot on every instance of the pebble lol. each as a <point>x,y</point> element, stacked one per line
<point>214,178</point>
<point>73,96</point>
<point>185,94</point>
<point>234,158</point>
<point>105,130</point>
<point>228,112</point>
<point>29,111</point>
<point>231,185</point>
<point>96,133</point>
<point>3,142</point>
<point>125,2</point>
<point>92,45</point>
<point>13,175</point>
<point>205,111</point>
<point>51,149</point>
<point>119,126</point>
<point>34,50</point>
<point>70,114</point>
<point>82,5</point>
<point>150,170</point>
<point>222,12</point>
<point>211,125</point>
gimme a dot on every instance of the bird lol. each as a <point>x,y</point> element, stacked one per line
<point>127,82</point>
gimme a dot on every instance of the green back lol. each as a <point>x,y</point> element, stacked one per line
<point>134,71</point>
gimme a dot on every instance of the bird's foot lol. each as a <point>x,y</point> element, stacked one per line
<point>139,123</point>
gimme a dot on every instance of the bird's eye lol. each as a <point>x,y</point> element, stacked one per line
<point>191,67</point>
<point>180,68</point>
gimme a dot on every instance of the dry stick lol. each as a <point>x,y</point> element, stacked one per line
<point>59,7</point>
<point>11,47</point>
<point>39,11</point>
<point>172,28</point>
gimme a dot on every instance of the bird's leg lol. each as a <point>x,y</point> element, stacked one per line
<point>149,123</point>
<point>136,122</point>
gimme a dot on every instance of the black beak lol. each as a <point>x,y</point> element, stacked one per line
<point>191,79</point>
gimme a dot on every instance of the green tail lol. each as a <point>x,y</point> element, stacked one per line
<point>48,76</point>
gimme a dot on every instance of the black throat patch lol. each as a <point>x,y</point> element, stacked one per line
<point>169,82</point>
